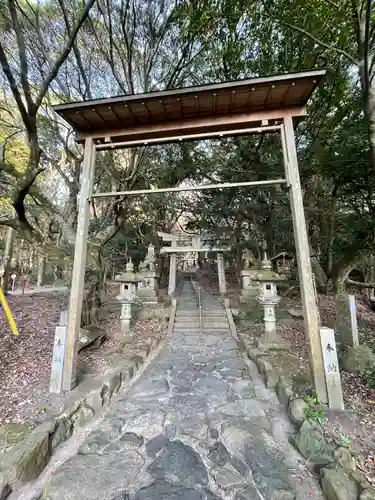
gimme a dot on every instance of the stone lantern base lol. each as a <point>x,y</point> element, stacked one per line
<point>126,314</point>
<point>270,337</point>
<point>147,287</point>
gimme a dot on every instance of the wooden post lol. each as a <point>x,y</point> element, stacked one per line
<point>303,259</point>
<point>78,278</point>
<point>172,274</point>
<point>221,273</point>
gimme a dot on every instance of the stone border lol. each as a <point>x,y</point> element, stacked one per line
<point>232,325</point>
<point>340,480</point>
<point>26,460</point>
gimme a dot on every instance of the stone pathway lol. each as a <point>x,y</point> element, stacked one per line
<point>198,425</point>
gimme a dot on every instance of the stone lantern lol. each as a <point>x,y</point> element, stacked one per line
<point>269,299</point>
<point>128,294</point>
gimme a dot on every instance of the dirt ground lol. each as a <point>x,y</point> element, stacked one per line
<point>25,361</point>
<point>356,427</point>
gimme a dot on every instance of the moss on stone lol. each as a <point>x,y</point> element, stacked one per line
<point>11,434</point>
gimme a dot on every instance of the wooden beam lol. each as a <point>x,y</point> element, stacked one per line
<point>193,249</point>
<point>184,127</point>
<point>179,189</point>
<point>108,145</point>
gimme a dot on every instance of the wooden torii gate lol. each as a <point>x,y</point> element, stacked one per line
<point>193,245</point>
<point>253,106</point>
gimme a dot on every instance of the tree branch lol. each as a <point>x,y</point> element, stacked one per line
<point>24,70</point>
<point>321,43</point>
<point>367,62</point>
<point>76,51</point>
<point>14,88</point>
<point>18,203</point>
<point>55,69</point>
<point>358,283</point>
<point>128,70</point>
<point>333,4</point>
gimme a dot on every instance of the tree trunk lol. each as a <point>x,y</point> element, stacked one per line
<point>331,239</point>
<point>8,258</point>
<point>95,279</point>
<point>318,271</point>
<point>370,112</point>
<point>342,269</point>
<point>339,283</point>
<point>42,259</point>
<point>41,263</point>
<point>92,301</point>
<point>365,56</point>
<point>17,251</point>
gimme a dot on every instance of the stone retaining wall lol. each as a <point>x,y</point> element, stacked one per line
<point>340,479</point>
<point>26,460</point>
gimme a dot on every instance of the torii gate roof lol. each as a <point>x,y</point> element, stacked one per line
<point>131,120</point>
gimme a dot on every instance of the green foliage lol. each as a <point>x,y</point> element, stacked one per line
<point>254,315</point>
<point>315,415</point>
<point>346,442</point>
<point>162,44</point>
<point>369,377</point>
<point>16,151</point>
<point>313,412</point>
<point>311,399</point>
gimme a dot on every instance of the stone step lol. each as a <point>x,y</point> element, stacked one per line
<point>187,328</point>
<point>215,330</point>
<point>208,315</point>
<point>186,308</point>
<point>191,320</point>
<point>196,324</point>
<point>206,331</point>
<point>196,321</point>
<point>205,314</point>
<point>187,319</point>
<point>188,314</point>
<point>187,332</point>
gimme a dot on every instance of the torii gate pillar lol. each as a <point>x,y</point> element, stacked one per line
<point>303,259</point>
<point>172,274</point>
<point>78,276</point>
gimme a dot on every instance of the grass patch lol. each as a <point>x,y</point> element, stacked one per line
<point>301,379</point>
<point>290,367</point>
<point>254,315</point>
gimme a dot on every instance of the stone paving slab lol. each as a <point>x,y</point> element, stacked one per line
<point>196,426</point>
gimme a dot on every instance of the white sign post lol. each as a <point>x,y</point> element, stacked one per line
<point>58,354</point>
<point>331,368</point>
<point>353,321</point>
